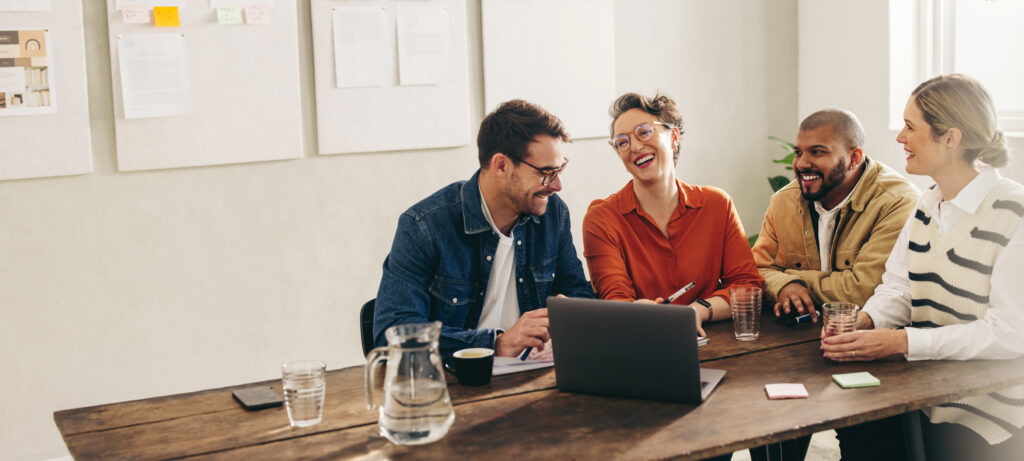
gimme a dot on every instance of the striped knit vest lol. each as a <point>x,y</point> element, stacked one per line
<point>950,284</point>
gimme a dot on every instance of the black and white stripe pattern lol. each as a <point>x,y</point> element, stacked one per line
<point>950,282</point>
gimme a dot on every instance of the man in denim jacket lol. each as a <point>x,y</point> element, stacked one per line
<point>482,255</point>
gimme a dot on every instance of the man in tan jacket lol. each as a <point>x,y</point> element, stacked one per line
<point>826,237</point>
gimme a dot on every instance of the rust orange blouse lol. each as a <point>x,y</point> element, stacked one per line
<point>629,258</point>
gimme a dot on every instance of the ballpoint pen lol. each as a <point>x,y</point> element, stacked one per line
<point>680,292</point>
<point>802,318</point>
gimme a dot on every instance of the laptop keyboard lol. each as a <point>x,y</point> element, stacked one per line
<point>703,384</point>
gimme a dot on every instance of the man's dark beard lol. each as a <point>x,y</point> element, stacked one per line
<point>829,181</point>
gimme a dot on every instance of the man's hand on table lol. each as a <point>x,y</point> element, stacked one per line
<point>531,330</point>
<point>795,297</point>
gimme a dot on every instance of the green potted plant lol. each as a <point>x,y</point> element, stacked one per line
<point>779,181</point>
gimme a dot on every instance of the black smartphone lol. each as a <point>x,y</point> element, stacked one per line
<point>257,398</point>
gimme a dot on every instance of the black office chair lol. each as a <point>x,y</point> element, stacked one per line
<point>366,325</point>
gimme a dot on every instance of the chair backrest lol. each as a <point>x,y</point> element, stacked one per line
<point>366,325</point>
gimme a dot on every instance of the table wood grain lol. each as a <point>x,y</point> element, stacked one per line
<point>210,421</point>
<point>737,415</point>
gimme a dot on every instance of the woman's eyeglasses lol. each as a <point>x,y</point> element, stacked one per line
<point>643,132</point>
<point>549,173</point>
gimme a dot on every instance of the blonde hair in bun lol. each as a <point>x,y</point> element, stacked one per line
<point>959,101</point>
<point>996,153</point>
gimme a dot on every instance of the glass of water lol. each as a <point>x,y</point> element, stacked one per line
<point>304,383</point>
<point>746,312</point>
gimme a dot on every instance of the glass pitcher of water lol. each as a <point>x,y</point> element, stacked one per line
<point>416,408</point>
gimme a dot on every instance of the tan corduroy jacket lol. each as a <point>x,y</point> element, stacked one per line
<point>787,251</point>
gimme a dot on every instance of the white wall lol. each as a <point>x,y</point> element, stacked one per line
<point>844,62</point>
<point>118,286</point>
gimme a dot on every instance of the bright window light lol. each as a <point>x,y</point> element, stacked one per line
<point>981,38</point>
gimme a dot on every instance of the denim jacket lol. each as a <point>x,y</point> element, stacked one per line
<point>441,260</point>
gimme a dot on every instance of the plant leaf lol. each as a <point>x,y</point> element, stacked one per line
<point>785,145</point>
<point>788,160</point>
<point>778,182</point>
<point>752,239</point>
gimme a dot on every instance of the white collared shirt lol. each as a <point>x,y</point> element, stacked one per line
<point>997,335</point>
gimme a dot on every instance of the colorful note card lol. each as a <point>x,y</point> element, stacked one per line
<point>257,14</point>
<point>135,14</point>
<point>166,16</point>
<point>861,379</point>
<point>229,15</point>
<point>785,391</point>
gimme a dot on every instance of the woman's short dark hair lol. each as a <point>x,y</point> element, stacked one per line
<point>660,106</point>
<point>512,127</point>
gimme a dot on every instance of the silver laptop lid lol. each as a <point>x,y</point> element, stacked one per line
<point>626,349</point>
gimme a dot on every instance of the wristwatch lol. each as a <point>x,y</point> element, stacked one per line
<point>706,304</point>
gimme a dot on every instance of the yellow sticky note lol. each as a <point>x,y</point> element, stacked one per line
<point>166,16</point>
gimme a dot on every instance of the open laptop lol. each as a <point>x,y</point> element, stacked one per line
<point>627,349</point>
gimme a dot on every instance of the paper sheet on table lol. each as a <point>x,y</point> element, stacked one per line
<point>423,45</point>
<point>361,56</point>
<point>155,78</point>
<point>506,365</point>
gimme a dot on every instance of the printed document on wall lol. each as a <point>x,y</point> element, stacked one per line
<point>361,54</point>
<point>24,5</point>
<point>149,4</point>
<point>423,45</point>
<point>155,78</point>
<point>26,73</point>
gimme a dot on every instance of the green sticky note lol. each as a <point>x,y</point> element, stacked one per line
<point>861,379</point>
<point>229,15</point>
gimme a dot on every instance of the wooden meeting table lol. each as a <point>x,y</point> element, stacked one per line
<point>524,416</point>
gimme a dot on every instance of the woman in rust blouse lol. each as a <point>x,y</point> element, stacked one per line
<point>657,233</point>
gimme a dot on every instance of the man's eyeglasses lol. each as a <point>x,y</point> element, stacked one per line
<point>643,132</point>
<point>549,173</point>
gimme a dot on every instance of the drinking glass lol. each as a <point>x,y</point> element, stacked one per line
<point>746,312</point>
<point>304,385</point>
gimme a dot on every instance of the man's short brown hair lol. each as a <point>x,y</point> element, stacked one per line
<point>513,126</point>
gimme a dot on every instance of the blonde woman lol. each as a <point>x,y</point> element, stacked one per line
<point>951,276</point>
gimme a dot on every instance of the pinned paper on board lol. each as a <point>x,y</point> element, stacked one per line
<point>423,45</point>
<point>257,14</point>
<point>361,55</point>
<point>239,3</point>
<point>24,5</point>
<point>166,16</point>
<point>26,78</point>
<point>135,14</point>
<point>229,15</point>
<point>149,4</point>
<point>155,78</point>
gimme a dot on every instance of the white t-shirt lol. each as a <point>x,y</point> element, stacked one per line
<point>827,228</point>
<point>501,301</point>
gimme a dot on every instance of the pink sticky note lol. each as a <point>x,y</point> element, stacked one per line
<point>135,14</point>
<point>257,14</point>
<point>785,391</point>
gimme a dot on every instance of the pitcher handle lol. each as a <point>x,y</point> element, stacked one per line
<point>372,360</point>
